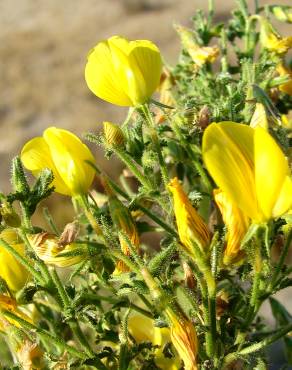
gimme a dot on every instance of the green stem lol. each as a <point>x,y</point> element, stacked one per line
<point>73,323</point>
<point>46,335</point>
<point>257,346</point>
<point>149,213</point>
<point>36,274</point>
<point>155,140</point>
<point>196,162</point>
<point>128,161</point>
<point>282,259</point>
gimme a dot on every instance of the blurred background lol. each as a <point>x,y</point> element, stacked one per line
<point>43,48</point>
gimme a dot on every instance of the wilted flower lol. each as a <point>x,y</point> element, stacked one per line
<point>184,338</point>
<point>271,40</point>
<point>48,248</point>
<point>123,72</point>
<point>250,168</point>
<point>143,330</point>
<point>199,54</point>
<point>12,271</point>
<point>191,227</point>
<point>287,86</point>
<point>10,304</point>
<point>237,225</point>
<point>64,154</point>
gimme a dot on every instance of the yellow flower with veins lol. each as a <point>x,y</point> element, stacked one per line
<point>287,86</point>
<point>12,271</point>
<point>191,227</point>
<point>142,329</point>
<point>199,54</point>
<point>10,304</point>
<point>64,154</point>
<point>123,72</point>
<point>49,249</point>
<point>272,41</point>
<point>237,224</point>
<point>184,338</point>
<point>250,168</point>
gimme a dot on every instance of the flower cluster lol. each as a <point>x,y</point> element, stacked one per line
<point>167,267</point>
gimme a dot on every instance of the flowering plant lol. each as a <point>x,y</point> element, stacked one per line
<point>207,160</point>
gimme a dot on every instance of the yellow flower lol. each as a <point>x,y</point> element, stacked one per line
<point>199,54</point>
<point>48,248</point>
<point>249,166</point>
<point>286,87</point>
<point>63,153</point>
<point>237,224</point>
<point>184,338</point>
<point>272,41</point>
<point>12,271</point>
<point>142,329</point>
<point>123,72</point>
<point>191,227</point>
<point>10,304</point>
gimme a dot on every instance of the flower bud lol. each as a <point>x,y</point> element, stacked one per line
<point>191,227</point>
<point>237,224</point>
<point>9,215</point>
<point>203,119</point>
<point>184,338</point>
<point>47,247</point>
<point>12,271</point>
<point>124,223</point>
<point>222,301</point>
<point>199,54</point>
<point>271,40</point>
<point>113,134</point>
<point>69,233</point>
<point>283,13</point>
<point>189,276</point>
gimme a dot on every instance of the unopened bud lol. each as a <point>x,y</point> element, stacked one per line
<point>203,118</point>
<point>191,227</point>
<point>9,215</point>
<point>189,276</point>
<point>113,134</point>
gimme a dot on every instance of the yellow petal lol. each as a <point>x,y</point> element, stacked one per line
<point>145,57</point>
<point>124,72</point>
<point>101,76</point>
<point>36,156</point>
<point>237,224</point>
<point>228,152</point>
<point>271,171</point>
<point>284,201</point>
<point>69,155</point>
<point>12,271</point>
